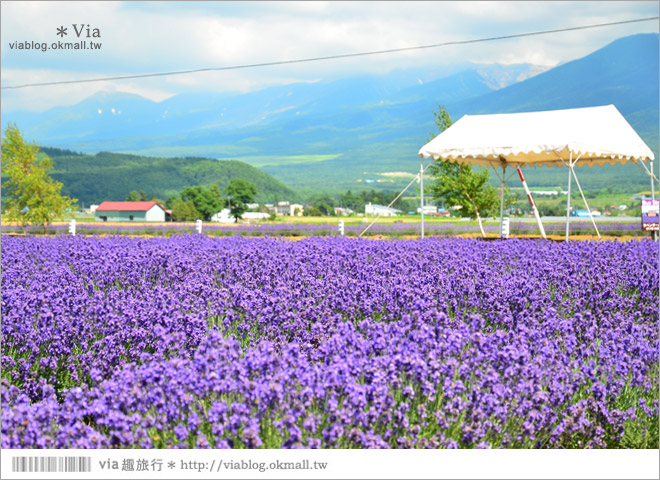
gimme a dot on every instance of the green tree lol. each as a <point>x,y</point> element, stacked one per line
<point>458,184</point>
<point>239,193</point>
<point>183,210</point>
<point>133,196</point>
<point>348,200</point>
<point>325,205</point>
<point>33,197</point>
<point>207,201</point>
<point>312,212</point>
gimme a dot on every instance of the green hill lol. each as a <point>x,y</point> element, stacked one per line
<point>111,176</point>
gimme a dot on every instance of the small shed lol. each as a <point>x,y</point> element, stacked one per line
<point>131,212</point>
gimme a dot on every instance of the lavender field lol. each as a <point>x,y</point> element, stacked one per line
<point>328,342</point>
<point>393,230</point>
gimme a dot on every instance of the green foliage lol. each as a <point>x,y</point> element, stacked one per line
<point>312,212</point>
<point>183,210</point>
<point>239,193</point>
<point>33,197</point>
<point>112,176</point>
<point>324,205</point>
<point>206,201</point>
<point>134,196</point>
<point>442,120</point>
<point>458,184</point>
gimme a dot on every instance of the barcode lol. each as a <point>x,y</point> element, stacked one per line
<point>51,464</point>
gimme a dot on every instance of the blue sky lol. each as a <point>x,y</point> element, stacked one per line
<point>146,37</point>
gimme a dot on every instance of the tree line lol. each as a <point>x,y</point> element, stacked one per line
<point>201,203</point>
<point>93,178</point>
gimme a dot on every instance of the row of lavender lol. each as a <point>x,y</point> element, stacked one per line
<point>193,341</point>
<point>390,230</point>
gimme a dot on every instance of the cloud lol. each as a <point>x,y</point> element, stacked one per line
<point>152,37</point>
<point>40,99</point>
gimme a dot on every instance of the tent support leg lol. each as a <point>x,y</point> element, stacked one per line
<point>531,202</point>
<point>502,200</point>
<point>577,182</point>
<point>421,190</point>
<point>652,185</point>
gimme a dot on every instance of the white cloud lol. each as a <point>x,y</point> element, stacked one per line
<point>153,37</point>
<point>40,99</point>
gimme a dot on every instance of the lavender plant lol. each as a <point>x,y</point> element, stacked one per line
<point>200,342</point>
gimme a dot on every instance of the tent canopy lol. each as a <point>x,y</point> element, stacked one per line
<point>595,135</point>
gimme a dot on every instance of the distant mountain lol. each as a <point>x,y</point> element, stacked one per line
<point>625,73</point>
<point>126,122</point>
<point>355,132</point>
<point>111,176</point>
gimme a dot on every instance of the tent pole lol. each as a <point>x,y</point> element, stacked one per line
<point>421,189</point>
<point>502,199</point>
<point>568,197</point>
<point>593,222</point>
<point>531,202</point>
<point>652,185</point>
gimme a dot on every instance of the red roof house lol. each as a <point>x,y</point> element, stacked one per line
<point>131,212</point>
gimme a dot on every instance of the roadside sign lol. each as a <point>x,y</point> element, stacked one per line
<point>341,227</point>
<point>650,219</point>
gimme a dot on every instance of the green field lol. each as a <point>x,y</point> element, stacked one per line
<point>261,161</point>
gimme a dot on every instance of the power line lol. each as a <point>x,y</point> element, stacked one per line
<point>332,57</point>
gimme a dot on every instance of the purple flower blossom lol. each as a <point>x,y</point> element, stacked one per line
<point>198,342</point>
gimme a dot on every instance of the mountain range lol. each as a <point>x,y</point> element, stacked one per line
<point>363,131</point>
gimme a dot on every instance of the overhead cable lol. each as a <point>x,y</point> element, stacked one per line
<point>330,57</point>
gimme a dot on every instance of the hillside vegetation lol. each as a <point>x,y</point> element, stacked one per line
<point>111,176</point>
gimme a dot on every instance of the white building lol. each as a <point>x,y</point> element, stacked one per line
<point>130,212</point>
<point>428,210</point>
<point>376,210</point>
<point>343,211</point>
<point>289,209</point>
<point>223,216</point>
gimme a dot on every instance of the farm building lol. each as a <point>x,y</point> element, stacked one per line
<point>225,216</point>
<point>343,211</point>
<point>383,211</point>
<point>131,212</point>
<point>289,209</point>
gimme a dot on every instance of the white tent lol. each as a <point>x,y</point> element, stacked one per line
<point>574,137</point>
